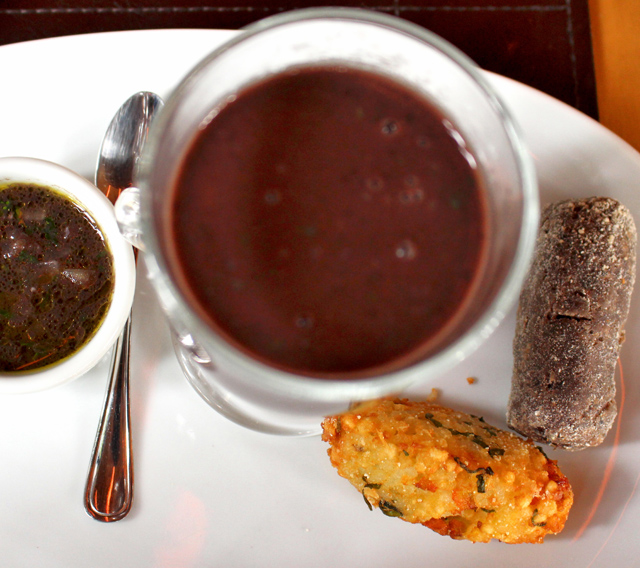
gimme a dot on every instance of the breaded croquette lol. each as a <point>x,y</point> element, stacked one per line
<point>450,471</point>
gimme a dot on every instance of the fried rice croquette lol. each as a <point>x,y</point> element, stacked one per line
<point>450,471</point>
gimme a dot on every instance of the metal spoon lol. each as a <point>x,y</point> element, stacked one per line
<point>109,491</point>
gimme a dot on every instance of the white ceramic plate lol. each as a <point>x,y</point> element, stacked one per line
<point>209,493</point>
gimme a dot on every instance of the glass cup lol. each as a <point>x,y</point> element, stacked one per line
<point>251,392</point>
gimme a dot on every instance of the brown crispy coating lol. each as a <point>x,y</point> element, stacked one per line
<point>570,323</point>
<point>450,471</point>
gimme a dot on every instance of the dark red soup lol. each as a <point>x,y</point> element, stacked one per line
<point>329,222</point>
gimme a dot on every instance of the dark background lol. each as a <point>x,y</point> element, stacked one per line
<point>543,43</point>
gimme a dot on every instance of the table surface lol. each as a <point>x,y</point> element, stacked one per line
<point>615,28</point>
<point>545,44</point>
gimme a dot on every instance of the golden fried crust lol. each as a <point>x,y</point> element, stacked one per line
<point>449,471</point>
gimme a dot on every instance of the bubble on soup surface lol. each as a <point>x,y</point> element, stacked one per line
<point>406,250</point>
<point>374,183</point>
<point>304,321</point>
<point>273,197</point>
<point>389,126</point>
<point>411,180</point>
<point>411,195</point>
<point>424,142</point>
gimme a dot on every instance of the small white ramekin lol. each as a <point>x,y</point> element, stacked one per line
<point>97,206</point>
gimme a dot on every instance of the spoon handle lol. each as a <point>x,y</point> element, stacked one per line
<point>109,490</point>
